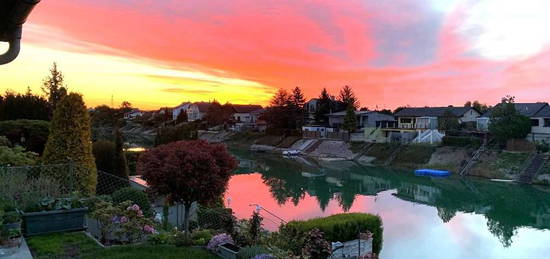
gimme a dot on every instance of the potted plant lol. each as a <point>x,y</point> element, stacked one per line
<point>55,215</point>
<point>12,220</point>
<point>10,236</point>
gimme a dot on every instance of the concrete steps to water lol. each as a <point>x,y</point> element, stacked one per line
<point>466,169</point>
<point>536,163</point>
<point>314,146</point>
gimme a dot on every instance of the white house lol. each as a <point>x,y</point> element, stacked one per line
<point>246,116</point>
<point>427,117</point>
<point>539,113</point>
<point>179,109</point>
<point>133,114</point>
<point>197,111</point>
<point>365,119</point>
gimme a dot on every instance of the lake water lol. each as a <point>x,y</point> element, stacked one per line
<point>423,217</point>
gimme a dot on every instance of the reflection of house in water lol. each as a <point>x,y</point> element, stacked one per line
<point>371,185</point>
<point>247,163</point>
<point>542,218</point>
<point>418,193</point>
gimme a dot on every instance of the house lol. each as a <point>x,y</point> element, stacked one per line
<point>539,113</point>
<point>427,117</point>
<point>134,113</point>
<point>197,111</point>
<point>246,116</point>
<point>176,111</point>
<point>310,108</point>
<point>365,119</point>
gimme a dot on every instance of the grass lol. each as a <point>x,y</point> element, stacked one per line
<point>382,151</point>
<point>79,245</point>
<point>414,154</point>
<point>510,162</point>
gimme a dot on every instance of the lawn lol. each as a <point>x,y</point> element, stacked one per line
<point>78,245</point>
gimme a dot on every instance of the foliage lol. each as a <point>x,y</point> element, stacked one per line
<point>25,192</point>
<point>339,227</point>
<point>414,154</point>
<point>218,240</point>
<point>543,147</point>
<point>124,221</point>
<point>182,117</point>
<point>120,168</point>
<point>48,204</point>
<point>79,245</point>
<point>350,120</point>
<point>187,171</point>
<point>23,106</point>
<point>507,123</point>
<point>162,238</point>
<point>482,108</point>
<point>448,121</point>
<point>316,246</point>
<point>216,218</point>
<point>5,142</point>
<point>170,134</point>
<point>16,156</point>
<point>218,114</point>
<point>53,87</point>
<point>347,97</point>
<point>104,152</point>
<point>201,237</point>
<point>255,227</point>
<point>324,107</point>
<point>105,116</point>
<point>69,139</point>
<point>280,114</point>
<point>30,134</point>
<point>10,217</point>
<point>461,141</point>
<point>249,252</point>
<point>135,196</point>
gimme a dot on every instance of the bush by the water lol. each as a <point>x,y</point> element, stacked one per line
<point>136,197</point>
<point>339,227</point>
<point>461,141</point>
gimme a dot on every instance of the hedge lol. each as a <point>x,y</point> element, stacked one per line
<point>460,141</point>
<point>35,133</point>
<point>341,227</point>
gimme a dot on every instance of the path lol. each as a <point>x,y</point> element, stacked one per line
<point>537,162</point>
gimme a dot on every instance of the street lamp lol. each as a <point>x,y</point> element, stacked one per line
<point>13,14</point>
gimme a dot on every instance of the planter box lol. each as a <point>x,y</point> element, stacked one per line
<point>54,221</point>
<point>228,251</point>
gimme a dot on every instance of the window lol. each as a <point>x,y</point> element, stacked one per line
<point>546,122</point>
<point>535,122</point>
<point>406,120</point>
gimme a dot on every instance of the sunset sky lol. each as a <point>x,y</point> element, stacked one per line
<point>399,52</point>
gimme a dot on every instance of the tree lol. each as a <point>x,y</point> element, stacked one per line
<point>348,97</point>
<point>187,171</point>
<point>325,103</point>
<point>182,117</point>
<point>53,87</point>
<point>350,120</point>
<point>482,108</point>
<point>23,106</point>
<point>279,114</point>
<point>104,152</point>
<point>297,98</point>
<point>120,167</point>
<point>449,121</point>
<point>507,123</point>
<point>218,114</point>
<point>70,141</point>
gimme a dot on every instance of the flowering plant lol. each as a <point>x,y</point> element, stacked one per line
<point>218,240</point>
<point>125,222</point>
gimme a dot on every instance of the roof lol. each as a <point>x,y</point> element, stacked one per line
<point>184,105</point>
<point>526,109</point>
<point>246,108</point>
<point>343,113</point>
<point>202,106</point>
<point>431,111</point>
<point>544,112</point>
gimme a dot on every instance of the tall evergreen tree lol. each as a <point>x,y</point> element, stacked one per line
<point>350,120</point>
<point>297,98</point>
<point>70,141</point>
<point>120,167</point>
<point>53,87</point>
<point>348,97</point>
<point>324,107</point>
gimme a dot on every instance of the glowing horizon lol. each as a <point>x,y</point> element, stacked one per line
<point>156,54</point>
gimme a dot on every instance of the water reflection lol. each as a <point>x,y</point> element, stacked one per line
<point>346,186</point>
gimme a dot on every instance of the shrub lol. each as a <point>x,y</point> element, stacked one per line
<point>162,238</point>
<point>316,246</point>
<point>16,156</point>
<point>104,152</point>
<point>201,237</point>
<point>35,133</point>
<point>339,227</point>
<point>23,192</point>
<point>216,218</point>
<point>69,139</point>
<point>461,141</point>
<point>136,197</point>
<point>249,252</point>
<point>218,240</point>
<point>5,141</point>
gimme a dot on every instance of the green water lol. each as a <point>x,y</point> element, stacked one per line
<point>423,217</point>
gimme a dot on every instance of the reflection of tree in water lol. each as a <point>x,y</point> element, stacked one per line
<point>507,207</point>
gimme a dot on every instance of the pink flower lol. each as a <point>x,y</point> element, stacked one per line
<point>148,229</point>
<point>134,207</point>
<point>123,219</point>
<point>140,213</point>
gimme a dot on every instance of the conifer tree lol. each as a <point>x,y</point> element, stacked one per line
<point>53,86</point>
<point>350,120</point>
<point>120,164</point>
<point>70,142</point>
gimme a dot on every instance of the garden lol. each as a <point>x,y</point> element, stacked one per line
<point>60,202</point>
